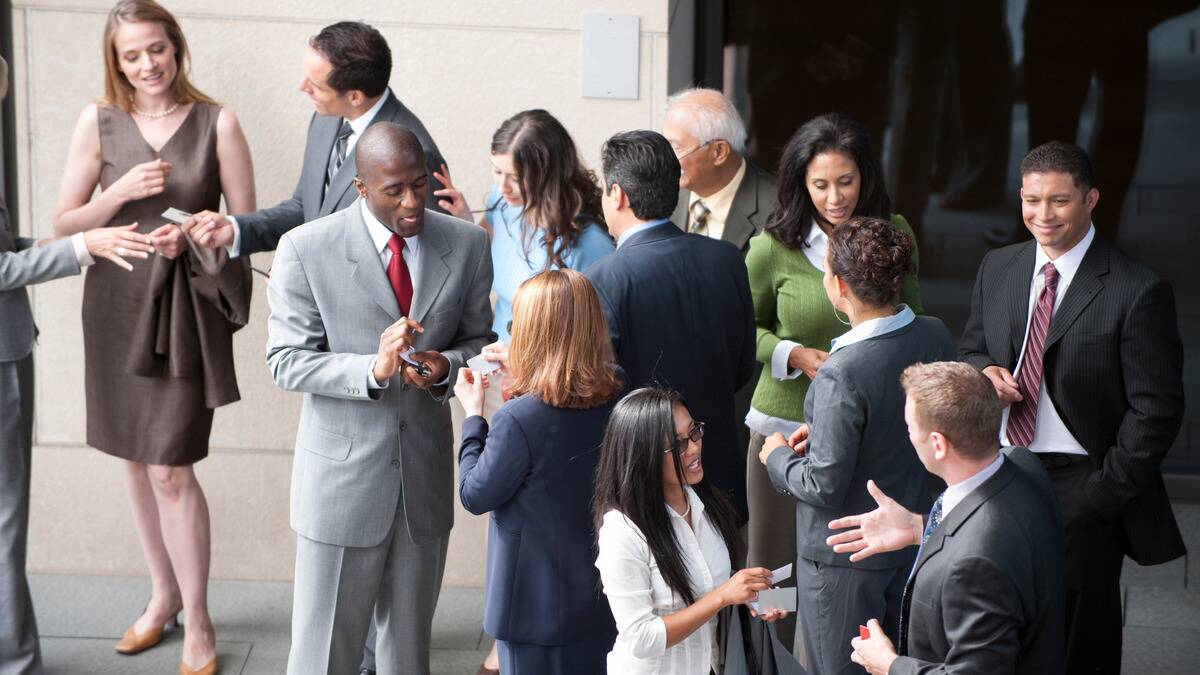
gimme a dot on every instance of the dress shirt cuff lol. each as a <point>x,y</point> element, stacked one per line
<point>779,361</point>
<point>372,383</point>
<point>81,252</point>
<point>234,249</point>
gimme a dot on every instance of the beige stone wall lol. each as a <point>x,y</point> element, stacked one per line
<point>461,65</point>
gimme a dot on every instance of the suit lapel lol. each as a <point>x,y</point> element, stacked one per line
<point>1017,279</point>
<point>368,270</point>
<point>738,228</point>
<point>346,173</point>
<point>680,217</point>
<point>432,270</point>
<point>1083,289</point>
<point>323,135</point>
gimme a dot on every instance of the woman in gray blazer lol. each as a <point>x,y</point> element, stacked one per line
<point>854,431</point>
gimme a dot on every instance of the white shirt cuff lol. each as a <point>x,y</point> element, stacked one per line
<point>234,249</point>
<point>371,381</point>
<point>779,361</point>
<point>81,253</point>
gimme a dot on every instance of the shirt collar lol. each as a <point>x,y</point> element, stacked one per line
<point>1068,263</point>
<point>815,235</point>
<point>954,494</point>
<point>873,327</point>
<point>638,228</point>
<point>694,504</point>
<point>721,201</point>
<point>363,121</point>
<point>380,235</point>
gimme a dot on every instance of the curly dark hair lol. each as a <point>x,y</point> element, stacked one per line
<point>873,257</point>
<point>794,212</point>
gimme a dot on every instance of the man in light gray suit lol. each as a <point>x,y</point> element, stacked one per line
<point>372,484</point>
<point>24,262</point>
<point>346,71</point>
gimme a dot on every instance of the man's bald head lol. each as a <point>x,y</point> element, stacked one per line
<point>392,177</point>
<point>387,144</point>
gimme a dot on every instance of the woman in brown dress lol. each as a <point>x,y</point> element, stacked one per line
<point>158,341</point>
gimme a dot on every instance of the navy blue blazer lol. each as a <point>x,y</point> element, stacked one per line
<point>680,315</point>
<point>535,476</point>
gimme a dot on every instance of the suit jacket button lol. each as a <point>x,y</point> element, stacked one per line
<point>403,425</point>
<point>395,464</point>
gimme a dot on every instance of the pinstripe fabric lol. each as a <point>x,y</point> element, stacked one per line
<point>1022,420</point>
<point>1112,367</point>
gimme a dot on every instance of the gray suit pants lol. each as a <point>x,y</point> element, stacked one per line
<point>336,589</point>
<point>834,601</point>
<point>19,653</point>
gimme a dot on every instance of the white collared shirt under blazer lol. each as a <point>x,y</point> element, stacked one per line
<point>639,596</point>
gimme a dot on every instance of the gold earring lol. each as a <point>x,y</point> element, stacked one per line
<point>837,316</point>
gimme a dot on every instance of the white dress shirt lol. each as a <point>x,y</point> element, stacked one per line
<point>718,204</point>
<point>357,126</point>
<point>954,494</point>
<point>639,596</point>
<point>380,236</point>
<point>1050,433</point>
<point>82,255</point>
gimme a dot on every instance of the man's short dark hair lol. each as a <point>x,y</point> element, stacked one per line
<point>360,57</point>
<point>645,166</point>
<point>1060,157</point>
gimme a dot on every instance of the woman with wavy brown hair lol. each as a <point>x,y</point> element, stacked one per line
<point>157,340</point>
<point>532,468</point>
<point>542,213</point>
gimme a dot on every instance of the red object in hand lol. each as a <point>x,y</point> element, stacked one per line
<point>864,633</point>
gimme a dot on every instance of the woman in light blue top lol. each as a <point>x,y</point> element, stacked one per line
<point>543,212</point>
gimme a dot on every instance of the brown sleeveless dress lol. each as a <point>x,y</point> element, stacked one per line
<point>158,341</point>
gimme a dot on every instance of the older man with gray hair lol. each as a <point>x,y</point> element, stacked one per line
<point>721,194</point>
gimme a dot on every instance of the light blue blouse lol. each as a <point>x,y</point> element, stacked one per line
<point>512,264</point>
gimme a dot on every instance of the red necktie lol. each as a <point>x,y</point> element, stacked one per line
<point>397,271</point>
<point>1022,416</point>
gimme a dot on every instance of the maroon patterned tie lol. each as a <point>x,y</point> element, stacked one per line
<point>1022,416</point>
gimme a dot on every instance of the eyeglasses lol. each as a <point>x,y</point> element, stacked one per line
<point>679,156</point>
<point>694,435</point>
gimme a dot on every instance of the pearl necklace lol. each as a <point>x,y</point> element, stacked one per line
<point>157,115</point>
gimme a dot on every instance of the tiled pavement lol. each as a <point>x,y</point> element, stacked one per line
<point>81,618</point>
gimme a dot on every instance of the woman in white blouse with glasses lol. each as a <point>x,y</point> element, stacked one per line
<point>667,540</point>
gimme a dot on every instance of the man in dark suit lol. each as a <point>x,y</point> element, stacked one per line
<point>346,71</point>
<point>1097,393</point>
<point>678,305</point>
<point>722,195</point>
<point>986,592</point>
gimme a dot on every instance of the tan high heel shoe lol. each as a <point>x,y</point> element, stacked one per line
<point>134,643</point>
<point>209,668</point>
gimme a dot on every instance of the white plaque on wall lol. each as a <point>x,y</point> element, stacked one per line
<point>609,63</point>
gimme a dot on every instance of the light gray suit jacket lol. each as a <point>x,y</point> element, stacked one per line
<point>23,266</point>
<point>752,205</point>
<point>261,230</point>
<point>359,450</point>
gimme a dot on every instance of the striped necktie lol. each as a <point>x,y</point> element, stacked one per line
<point>1022,416</point>
<point>338,156</point>
<point>935,519</point>
<point>700,214</point>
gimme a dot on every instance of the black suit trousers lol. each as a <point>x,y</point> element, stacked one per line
<point>1093,576</point>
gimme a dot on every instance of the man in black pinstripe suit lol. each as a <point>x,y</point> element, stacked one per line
<point>1082,346</point>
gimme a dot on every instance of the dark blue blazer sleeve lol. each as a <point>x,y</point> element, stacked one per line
<point>493,464</point>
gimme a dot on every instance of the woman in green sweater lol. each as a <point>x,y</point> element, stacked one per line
<point>827,175</point>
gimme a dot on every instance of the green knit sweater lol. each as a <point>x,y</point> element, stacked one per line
<point>790,304</point>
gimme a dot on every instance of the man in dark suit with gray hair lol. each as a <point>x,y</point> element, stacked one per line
<point>986,592</point>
